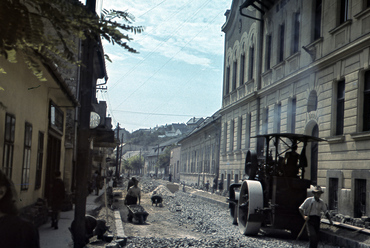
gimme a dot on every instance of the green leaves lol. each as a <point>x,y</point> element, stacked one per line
<point>49,30</point>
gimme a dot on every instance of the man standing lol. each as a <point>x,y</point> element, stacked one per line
<point>58,195</point>
<point>311,210</point>
<point>133,194</point>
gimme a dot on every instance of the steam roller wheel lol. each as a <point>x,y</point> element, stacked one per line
<point>250,199</point>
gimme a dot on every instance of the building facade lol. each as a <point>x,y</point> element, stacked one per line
<point>175,164</point>
<point>33,129</point>
<point>200,153</point>
<point>295,66</point>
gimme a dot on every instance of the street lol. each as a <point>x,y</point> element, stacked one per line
<point>186,220</point>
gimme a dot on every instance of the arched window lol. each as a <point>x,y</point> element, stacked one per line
<point>312,101</point>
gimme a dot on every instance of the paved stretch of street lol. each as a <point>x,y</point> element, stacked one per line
<point>186,220</point>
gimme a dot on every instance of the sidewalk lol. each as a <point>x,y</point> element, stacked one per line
<point>61,238</point>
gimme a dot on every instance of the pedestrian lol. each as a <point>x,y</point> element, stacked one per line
<point>57,198</point>
<point>207,185</point>
<point>311,210</point>
<point>133,194</point>
<point>14,231</point>
<point>131,182</point>
<point>96,182</point>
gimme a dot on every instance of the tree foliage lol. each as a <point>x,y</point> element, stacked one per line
<point>47,30</point>
<point>134,163</point>
<point>164,158</point>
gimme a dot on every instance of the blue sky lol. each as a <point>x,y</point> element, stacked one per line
<point>178,72</point>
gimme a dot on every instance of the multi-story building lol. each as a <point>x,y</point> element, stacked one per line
<point>296,66</point>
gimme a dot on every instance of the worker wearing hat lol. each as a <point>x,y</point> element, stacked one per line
<point>311,210</point>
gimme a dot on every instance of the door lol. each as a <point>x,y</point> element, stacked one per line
<point>52,163</point>
<point>314,156</point>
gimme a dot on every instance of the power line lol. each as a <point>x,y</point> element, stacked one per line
<point>146,113</point>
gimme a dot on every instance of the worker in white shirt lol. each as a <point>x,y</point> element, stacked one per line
<point>311,210</point>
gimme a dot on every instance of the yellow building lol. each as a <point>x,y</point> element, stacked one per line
<point>32,128</point>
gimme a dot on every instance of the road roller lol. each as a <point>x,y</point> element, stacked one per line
<point>274,186</point>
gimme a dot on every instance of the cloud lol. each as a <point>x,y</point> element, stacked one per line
<point>191,29</point>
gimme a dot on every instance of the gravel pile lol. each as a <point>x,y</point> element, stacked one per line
<point>211,222</point>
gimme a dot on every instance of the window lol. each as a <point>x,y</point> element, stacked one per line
<point>239,135</point>
<point>231,144</point>
<point>261,140</point>
<point>234,76</point>
<point>247,131</point>
<point>265,121</point>
<point>360,198</point>
<point>281,43</point>
<point>8,145</point>
<point>292,114</point>
<point>340,108</point>
<point>367,4</point>
<point>297,23</point>
<point>225,137</point>
<point>251,63</point>
<point>26,157</point>
<point>242,65</point>
<point>312,101</point>
<point>268,52</point>
<point>366,109</point>
<point>343,12</point>
<point>40,157</point>
<point>56,118</point>
<point>277,118</point>
<point>317,19</point>
<point>227,86</point>
<point>333,193</point>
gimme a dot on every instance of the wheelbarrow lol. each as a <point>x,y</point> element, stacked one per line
<point>137,212</point>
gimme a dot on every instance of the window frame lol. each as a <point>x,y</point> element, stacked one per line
<point>9,140</point>
<point>242,69</point>
<point>281,49</point>
<point>268,51</point>
<point>235,69</point>
<point>26,166</point>
<point>277,118</point>
<point>343,6</point>
<point>227,83</point>
<point>296,32</point>
<point>251,63</point>
<point>365,95</point>
<point>340,105</point>
<point>317,19</point>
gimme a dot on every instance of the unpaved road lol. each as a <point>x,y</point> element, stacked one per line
<point>160,222</point>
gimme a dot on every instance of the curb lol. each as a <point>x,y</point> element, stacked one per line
<point>119,227</point>
<point>344,238</point>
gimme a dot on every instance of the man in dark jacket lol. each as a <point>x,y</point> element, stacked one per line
<point>57,199</point>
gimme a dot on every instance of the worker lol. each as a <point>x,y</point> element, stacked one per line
<point>291,162</point>
<point>311,210</point>
<point>131,182</point>
<point>133,194</point>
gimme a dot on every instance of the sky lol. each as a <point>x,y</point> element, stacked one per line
<point>178,71</point>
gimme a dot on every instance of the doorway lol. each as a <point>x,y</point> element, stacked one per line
<point>52,163</point>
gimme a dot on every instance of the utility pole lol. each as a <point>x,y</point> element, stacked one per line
<point>117,153</point>
<point>120,156</point>
<point>83,168</point>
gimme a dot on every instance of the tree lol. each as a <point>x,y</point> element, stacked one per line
<point>164,158</point>
<point>46,30</point>
<point>135,163</point>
